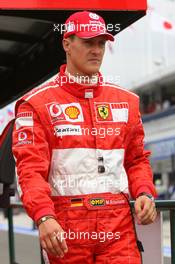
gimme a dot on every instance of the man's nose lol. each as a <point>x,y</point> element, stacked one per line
<point>96,49</point>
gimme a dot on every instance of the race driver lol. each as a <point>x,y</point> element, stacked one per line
<point>75,181</point>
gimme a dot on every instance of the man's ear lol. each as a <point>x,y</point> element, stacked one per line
<point>66,44</point>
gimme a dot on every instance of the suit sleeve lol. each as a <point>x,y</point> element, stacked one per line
<point>32,155</point>
<point>137,163</point>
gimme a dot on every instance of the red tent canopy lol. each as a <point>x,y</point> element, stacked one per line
<point>75,4</point>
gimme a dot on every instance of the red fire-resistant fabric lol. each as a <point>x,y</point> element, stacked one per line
<point>33,142</point>
<point>97,236</point>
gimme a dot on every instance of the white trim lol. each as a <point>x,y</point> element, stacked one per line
<point>24,122</point>
<point>41,90</point>
<point>123,89</point>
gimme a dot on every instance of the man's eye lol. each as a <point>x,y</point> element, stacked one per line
<point>87,42</point>
<point>102,43</point>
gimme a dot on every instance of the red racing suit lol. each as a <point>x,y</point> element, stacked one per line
<point>85,142</point>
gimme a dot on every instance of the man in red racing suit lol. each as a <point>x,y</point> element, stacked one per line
<point>79,154</point>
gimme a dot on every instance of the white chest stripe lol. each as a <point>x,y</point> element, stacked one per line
<point>75,171</point>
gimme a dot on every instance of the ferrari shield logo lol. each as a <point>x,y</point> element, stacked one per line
<point>103,111</point>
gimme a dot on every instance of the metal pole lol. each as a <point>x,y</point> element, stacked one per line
<point>172,226</point>
<point>11,235</point>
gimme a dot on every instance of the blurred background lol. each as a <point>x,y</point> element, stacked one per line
<point>142,59</point>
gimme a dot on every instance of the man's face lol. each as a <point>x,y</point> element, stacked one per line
<point>84,56</point>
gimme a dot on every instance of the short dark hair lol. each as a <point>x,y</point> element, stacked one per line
<point>72,37</point>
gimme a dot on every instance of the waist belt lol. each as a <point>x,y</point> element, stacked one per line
<point>92,201</point>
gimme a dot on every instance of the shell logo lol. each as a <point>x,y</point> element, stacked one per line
<point>72,112</point>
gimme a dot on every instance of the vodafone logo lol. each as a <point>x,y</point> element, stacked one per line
<point>22,136</point>
<point>55,110</point>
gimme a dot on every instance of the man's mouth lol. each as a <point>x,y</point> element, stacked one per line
<point>94,60</point>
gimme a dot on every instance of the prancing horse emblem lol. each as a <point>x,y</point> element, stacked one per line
<point>103,111</point>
